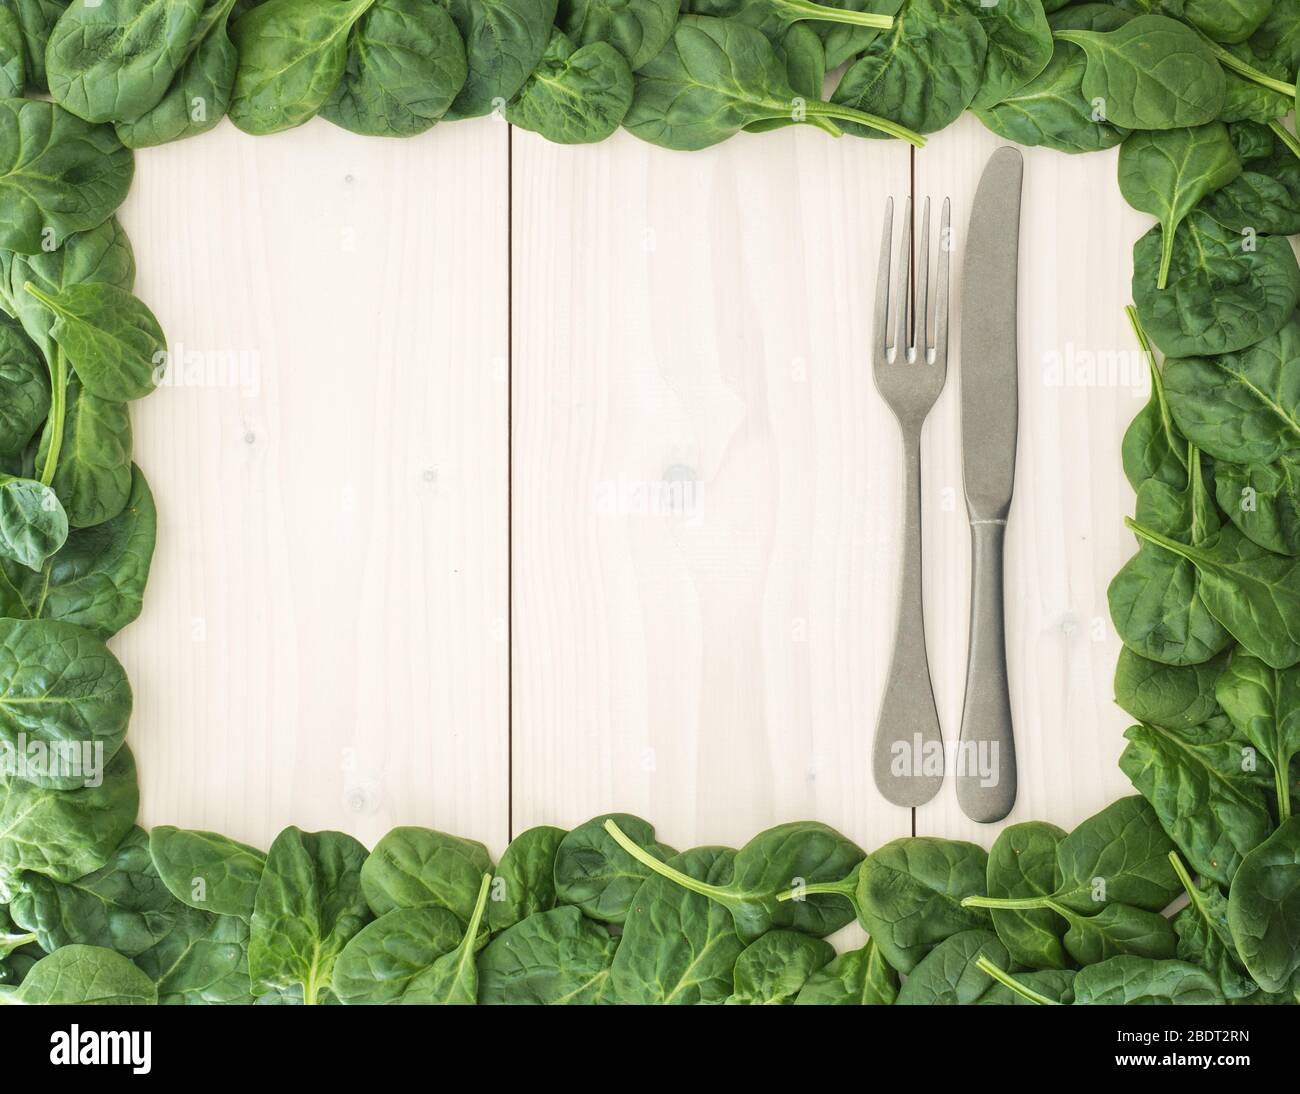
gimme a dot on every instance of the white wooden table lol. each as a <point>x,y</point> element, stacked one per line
<point>555,482</point>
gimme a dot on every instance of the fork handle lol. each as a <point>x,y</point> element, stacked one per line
<point>907,756</point>
<point>986,753</point>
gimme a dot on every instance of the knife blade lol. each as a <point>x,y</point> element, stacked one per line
<point>986,754</point>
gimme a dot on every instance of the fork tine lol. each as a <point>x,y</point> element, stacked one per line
<point>920,344</point>
<point>882,332</point>
<point>939,351</point>
<point>904,339</point>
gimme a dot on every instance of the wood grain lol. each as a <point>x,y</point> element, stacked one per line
<point>693,330</point>
<point>705,494</point>
<point>324,637</point>
<point>1065,539</point>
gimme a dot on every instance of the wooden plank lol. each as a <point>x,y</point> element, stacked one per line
<point>1065,536</point>
<point>702,567</point>
<point>324,637</point>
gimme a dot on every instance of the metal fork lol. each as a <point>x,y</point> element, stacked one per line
<point>910,365</point>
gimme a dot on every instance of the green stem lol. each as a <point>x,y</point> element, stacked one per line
<point>844,887</point>
<point>1251,73</point>
<point>661,868</point>
<point>1166,256</point>
<point>1008,981</point>
<point>1172,545</point>
<point>804,9</point>
<point>469,944</point>
<point>1285,136</point>
<point>1157,378</point>
<point>11,942</point>
<point>1183,876</point>
<point>1007,903</point>
<point>58,411</point>
<point>849,114</point>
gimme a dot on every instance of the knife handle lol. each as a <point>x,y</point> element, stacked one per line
<point>907,755</point>
<point>986,753</point>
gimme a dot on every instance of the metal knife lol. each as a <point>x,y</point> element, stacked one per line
<point>986,755</point>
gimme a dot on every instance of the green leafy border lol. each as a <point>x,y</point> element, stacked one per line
<point>93,909</point>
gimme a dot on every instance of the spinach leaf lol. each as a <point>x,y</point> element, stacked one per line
<point>58,175</point>
<point>1278,36</point>
<point>122,906</point>
<point>1175,697</point>
<point>1151,73</point>
<point>292,55</point>
<point>64,834</point>
<point>36,18</point>
<point>1117,929</point>
<point>102,254</point>
<point>1222,20</point>
<point>1254,593</point>
<point>1225,292</point>
<point>1051,109</point>
<point>1204,938</point>
<point>1197,782</point>
<point>1252,140</point>
<point>308,905</point>
<point>574,95</point>
<point>804,58</point>
<point>1155,601</point>
<point>83,975</point>
<point>1019,47</point>
<point>1256,202</point>
<point>638,29</point>
<point>24,389</point>
<point>775,17</point>
<point>1264,909</point>
<point>555,957</point>
<point>924,72</point>
<point>109,336</point>
<point>1264,704</point>
<point>949,974</point>
<point>383,959</point>
<point>33,525</point>
<point>595,873</point>
<point>773,969</point>
<point>1135,981</point>
<point>406,65</point>
<point>858,978</point>
<point>844,42</point>
<point>908,895</point>
<point>112,62</point>
<point>203,959</point>
<point>1242,407</point>
<point>525,879</point>
<point>1263,500</point>
<point>1152,446</point>
<point>415,867</point>
<point>93,475</point>
<point>60,690</point>
<point>206,871</point>
<point>1046,987</point>
<point>803,856</point>
<point>1050,935</point>
<point>1022,862</point>
<point>678,946</point>
<point>1119,855</point>
<point>716,77</point>
<point>504,41</point>
<point>200,92</point>
<point>193,956</point>
<point>13,62</point>
<point>452,979</point>
<point>1167,174</point>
